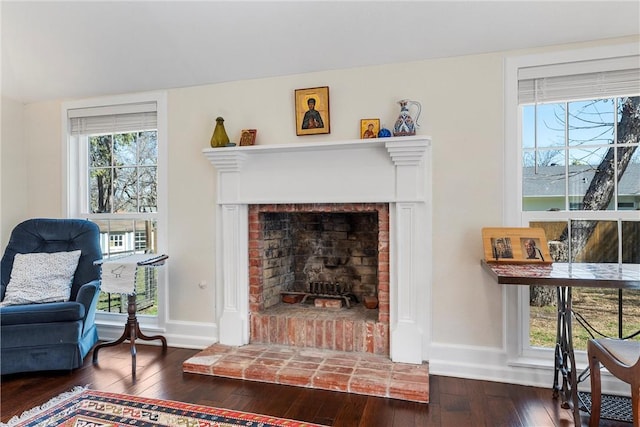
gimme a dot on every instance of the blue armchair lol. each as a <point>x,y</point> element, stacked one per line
<point>51,335</point>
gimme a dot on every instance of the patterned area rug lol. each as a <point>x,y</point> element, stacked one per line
<point>88,408</point>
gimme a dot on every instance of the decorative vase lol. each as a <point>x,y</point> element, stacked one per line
<point>405,125</point>
<point>384,132</point>
<point>219,137</point>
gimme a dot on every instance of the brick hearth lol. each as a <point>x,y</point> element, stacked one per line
<point>351,372</point>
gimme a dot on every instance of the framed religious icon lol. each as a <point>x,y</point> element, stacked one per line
<point>312,111</point>
<point>369,128</point>
<point>248,136</point>
<point>515,245</point>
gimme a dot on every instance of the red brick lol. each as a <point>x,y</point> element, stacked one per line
<point>297,377</point>
<point>331,381</point>
<point>262,373</point>
<point>329,334</point>
<point>310,335</point>
<point>339,334</point>
<point>369,385</point>
<point>417,392</point>
<point>348,335</point>
<point>327,303</point>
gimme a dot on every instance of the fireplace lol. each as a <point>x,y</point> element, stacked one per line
<point>389,178</point>
<point>329,256</point>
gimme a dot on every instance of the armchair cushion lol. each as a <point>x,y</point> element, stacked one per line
<point>69,311</point>
<point>41,277</point>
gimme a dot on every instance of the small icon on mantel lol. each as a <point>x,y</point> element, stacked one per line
<point>219,137</point>
<point>405,125</point>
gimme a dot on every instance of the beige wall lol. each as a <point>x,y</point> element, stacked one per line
<point>13,169</point>
<point>462,101</point>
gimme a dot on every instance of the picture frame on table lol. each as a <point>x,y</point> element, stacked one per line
<point>515,245</point>
<point>369,128</point>
<point>312,111</point>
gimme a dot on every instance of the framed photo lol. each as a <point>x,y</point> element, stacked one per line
<point>369,128</point>
<point>248,136</point>
<point>312,111</point>
<point>515,245</point>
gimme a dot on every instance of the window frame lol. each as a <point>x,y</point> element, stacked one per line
<point>74,189</point>
<point>516,298</point>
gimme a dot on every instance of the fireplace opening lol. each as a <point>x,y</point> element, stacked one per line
<point>313,268</point>
<point>313,256</point>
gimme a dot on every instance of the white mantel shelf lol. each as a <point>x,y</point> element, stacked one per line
<point>381,170</point>
<point>371,170</point>
<point>401,149</point>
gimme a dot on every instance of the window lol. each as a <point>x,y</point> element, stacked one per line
<point>576,119</point>
<point>114,151</point>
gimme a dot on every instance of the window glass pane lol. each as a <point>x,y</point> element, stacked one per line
<point>599,309</point>
<point>100,189</point>
<point>629,185</point>
<point>122,237</point>
<point>584,165</point>
<point>125,190</point>
<point>148,189</point>
<point>591,122</point>
<point>544,185</point>
<point>148,148</point>
<point>125,149</point>
<point>528,126</point>
<point>100,151</point>
<point>551,125</point>
<point>594,241</point>
<point>631,242</point>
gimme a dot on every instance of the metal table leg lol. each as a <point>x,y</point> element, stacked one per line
<point>565,362</point>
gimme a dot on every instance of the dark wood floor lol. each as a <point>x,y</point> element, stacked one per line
<point>454,402</point>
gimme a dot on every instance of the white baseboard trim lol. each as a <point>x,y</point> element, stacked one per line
<point>492,364</point>
<point>471,362</point>
<point>181,334</point>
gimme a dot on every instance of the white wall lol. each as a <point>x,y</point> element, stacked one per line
<point>462,101</point>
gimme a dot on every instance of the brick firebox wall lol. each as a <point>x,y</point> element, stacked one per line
<point>335,330</point>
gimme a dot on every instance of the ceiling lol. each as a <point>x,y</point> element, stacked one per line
<point>56,49</point>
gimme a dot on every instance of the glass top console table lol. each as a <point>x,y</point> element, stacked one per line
<point>564,276</point>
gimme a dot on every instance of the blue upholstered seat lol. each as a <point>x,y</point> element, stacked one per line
<point>55,335</point>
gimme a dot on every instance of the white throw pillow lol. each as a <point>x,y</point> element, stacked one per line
<point>41,277</point>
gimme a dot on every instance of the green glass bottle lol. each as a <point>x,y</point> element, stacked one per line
<point>219,137</point>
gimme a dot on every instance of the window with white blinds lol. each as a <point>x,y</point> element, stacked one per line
<point>604,78</point>
<point>578,153</point>
<point>114,150</point>
<point>113,118</point>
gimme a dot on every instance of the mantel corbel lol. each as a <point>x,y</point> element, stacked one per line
<point>407,153</point>
<point>225,160</point>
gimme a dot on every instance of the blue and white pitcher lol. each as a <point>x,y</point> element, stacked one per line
<point>405,125</point>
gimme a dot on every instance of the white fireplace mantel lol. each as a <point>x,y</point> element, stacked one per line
<point>385,170</point>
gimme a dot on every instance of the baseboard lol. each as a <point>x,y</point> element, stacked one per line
<point>181,334</point>
<point>492,364</point>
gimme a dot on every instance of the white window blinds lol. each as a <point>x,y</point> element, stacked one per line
<point>579,80</point>
<point>113,118</point>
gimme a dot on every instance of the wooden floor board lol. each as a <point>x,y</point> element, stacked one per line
<point>453,401</point>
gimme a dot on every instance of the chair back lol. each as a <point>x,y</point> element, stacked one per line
<point>55,235</point>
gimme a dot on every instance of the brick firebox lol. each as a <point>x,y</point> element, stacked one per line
<point>355,329</point>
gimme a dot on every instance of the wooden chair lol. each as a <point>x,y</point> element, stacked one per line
<point>622,359</point>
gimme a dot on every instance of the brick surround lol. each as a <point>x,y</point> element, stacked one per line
<point>357,329</point>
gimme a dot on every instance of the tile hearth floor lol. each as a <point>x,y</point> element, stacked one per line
<point>360,373</point>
